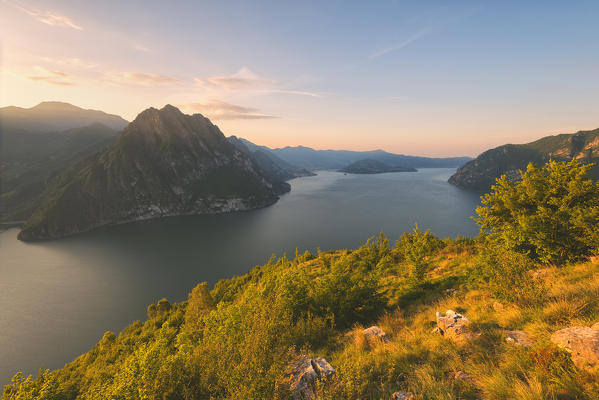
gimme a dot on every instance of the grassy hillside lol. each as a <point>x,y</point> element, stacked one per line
<point>238,343</point>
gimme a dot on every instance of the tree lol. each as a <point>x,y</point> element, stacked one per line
<point>551,214</point>
<point>415,247</point>
<point>200,303</point>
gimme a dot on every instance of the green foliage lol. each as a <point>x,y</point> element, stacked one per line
<point>508,275</point>
<point>415,247</point>
<point>552,214</point>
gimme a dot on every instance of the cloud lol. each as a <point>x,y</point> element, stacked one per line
<point>142,48</point>
<point>398,46</point>
<point>220,110</point>
<point>48,17</point>
<point>52,77</point>
<point>241,80</point>
<point>248,81</point>
<point>143,78</point>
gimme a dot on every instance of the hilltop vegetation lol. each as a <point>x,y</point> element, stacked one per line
<point>237,340</point>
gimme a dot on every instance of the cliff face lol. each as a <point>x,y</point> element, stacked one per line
<point>480,173</point>
<point>165,163</point>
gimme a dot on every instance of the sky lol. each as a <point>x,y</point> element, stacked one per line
<point>432,78</point>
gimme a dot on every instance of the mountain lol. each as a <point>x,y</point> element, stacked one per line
<point>52,116</point>
<point>306,157</point>
<point>272,165</point>
<point>31,160</point>
<point>368,166</point>
<point>164,163</point>
<point>480,173</point>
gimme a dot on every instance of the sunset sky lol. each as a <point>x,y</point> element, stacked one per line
<point>415,77</point>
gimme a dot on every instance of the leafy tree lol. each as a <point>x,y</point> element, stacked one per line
<point>414,248</point>
<point>551,214</point>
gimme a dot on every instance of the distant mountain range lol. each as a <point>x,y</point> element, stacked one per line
<point>164,163</point>
<point>271,164</point>
<point>368,166</point>
<point>66,169</point>
<point>480,173</point>
<point>54,116</point>
<point>308,158</point>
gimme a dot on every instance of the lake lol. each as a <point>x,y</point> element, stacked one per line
<point>57,298</point>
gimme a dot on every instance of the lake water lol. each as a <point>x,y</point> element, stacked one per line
<point>58,298</point>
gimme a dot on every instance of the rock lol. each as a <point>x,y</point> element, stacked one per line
<point>375,332</point>
<point>463,376</point>
<point>583,344</point>
<point>540,273</point>
<point>519,338</point>
<point>303,374</point>
<point>450,291</point>
<point>453,325</point>
<point>497,306</point>
<point>402,396</point>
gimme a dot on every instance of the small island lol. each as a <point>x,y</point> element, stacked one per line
<point>369,166</point>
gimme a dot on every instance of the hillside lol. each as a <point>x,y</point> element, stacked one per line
<point>272,165</point>
<point>164,163</point>
<point>237,340</point>
<point>368,166</point>
<point>480,173</point>
<point>313,160</point>
<point>53,116</point>
<point>32,160</point>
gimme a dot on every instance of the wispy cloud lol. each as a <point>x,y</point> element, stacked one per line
<point>245,80</point>
<point>52,77</point>
<point>47,17</point>
<point>241,80</point>
<point>142,78</point>
<point>398,46</point>
<point>142,48</point>
<point>220,110</point>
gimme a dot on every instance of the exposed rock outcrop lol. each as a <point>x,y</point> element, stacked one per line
<point>402,396</point>
<point>519,338</point>
<point>303,375</point>
<point>453,325</point>
<point>583,344</point>
<point>375,332</point>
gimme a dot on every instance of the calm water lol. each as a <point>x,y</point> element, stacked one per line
<point>58,298</point>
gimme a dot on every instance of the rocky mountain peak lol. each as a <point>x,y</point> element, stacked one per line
<point>169,121</point>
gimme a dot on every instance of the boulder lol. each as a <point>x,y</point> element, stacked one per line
<point>463,376</point>
<point>497,306</point>
<point>519,338</point>
<point>402,396</point>
<point>453,325</point>
<point>375,332</point>
<point>583,344</point>
<point>595,326</point>
<point>303,374</point>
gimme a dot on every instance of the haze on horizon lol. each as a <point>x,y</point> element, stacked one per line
<point>437,79</point>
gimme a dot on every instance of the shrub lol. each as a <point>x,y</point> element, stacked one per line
<point>508,275</point>
<point>551,214</point>
<point>414,248</point>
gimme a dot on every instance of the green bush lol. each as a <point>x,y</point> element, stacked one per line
<point>508,275</point>
<point>415,248</point>
<point>551,214</point>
